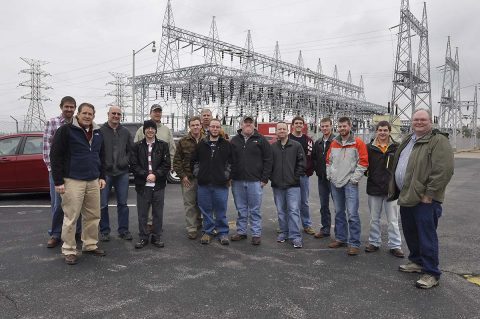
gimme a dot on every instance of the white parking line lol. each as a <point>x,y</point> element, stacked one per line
<point>33,206</point>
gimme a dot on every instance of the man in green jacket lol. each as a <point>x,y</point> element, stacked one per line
<point>423,166</point>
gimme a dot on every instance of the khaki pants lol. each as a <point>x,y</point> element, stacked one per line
<point>193,216</point>
<point>80,196</point>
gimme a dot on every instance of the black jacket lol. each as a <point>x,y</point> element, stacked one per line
<point>73,156</point>
<point>379,168</point>
<point>118,145</point>
<point>319,156</point>
<point>252,160</point>
<point>211,165</point>
<point>288,164</point>
<point>160,163</point>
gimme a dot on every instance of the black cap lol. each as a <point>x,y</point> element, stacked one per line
<point>149,123</point>
<point>155,107</point>
<point>248,117</point>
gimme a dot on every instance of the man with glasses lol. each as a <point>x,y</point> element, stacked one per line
<point>118,146</point>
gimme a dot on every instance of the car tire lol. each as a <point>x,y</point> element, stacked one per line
<point>173,178</point>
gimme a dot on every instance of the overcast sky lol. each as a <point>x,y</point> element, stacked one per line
<point>83,40</point>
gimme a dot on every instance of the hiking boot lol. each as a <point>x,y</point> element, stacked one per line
<point>192,235</point>
<point>321,234</point>
<point>142,243</point>
<point>297,243</point>
<point>309,230</point>
<point>224,240</point>
<point>410,267</point>
<point>256,240</point>
<point>126,235</point>
<point>281,238</point>
<point>104,237</point>
<point>71,259</point>
<point>158,243</point>
<point>96,252</point>
<point>206,239</point>
<point>53,242</point>
<point>353,251</point>
<point>336,244</point>
<point>238,237</point>
<point>426,282</point>
<point>397,252</point>
<point>371,248</point>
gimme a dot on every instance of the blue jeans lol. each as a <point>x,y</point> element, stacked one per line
<point>419,225</point>
<point>346,203</point>
<point>376,204</point>
<point>212,201</point>
<point>324,194</point>
<point>57,212</point>
<point>120,183</point>
<point>288,210</point>
<point>248,200</point>
<point>304,208</point>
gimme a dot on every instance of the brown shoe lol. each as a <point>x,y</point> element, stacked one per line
<point>71,259</point>
<point>353,251</point>
<point>397,252</point>
<point>371,248</point>
<point>238,237</point>
<point>192,235</point>
<point>53,242</point>
<point>256,240</point>
<point>337,244</point>
<point>96,252</point>
<point>309,230</point>
<point>321,234</point>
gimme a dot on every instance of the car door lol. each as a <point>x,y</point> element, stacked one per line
<point>32,173</point>
<point>8,160</point>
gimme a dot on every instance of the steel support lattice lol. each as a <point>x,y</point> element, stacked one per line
<point>35,118</point>
<point>119,92</point>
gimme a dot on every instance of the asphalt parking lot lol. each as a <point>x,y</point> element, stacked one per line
<point>188,280</point>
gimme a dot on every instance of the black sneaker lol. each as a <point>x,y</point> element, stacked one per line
<point>158,243</point>
<point>126,235</point>
<point>104,237</point>
<point>142,243</point>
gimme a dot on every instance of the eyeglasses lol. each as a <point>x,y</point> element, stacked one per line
<point>116,113</point>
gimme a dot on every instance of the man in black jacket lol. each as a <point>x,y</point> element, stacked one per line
<point>251,168</point>
<point>380,158</point>
<point>150,163</point>
<point>288,166</point>
<point>118,146</point>
<point>78,169</point>
<point>211,163</point>
<point>319,156</point>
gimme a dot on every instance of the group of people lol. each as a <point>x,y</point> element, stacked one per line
<point>85,161</point>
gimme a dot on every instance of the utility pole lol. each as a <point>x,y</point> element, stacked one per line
<point>35,118</point>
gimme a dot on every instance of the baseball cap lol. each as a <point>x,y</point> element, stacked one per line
<point>248,117</point>
<point>155,107</point>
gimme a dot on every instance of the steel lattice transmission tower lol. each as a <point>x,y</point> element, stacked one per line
<point>411,81</point>
<point>119,92</point>
<point>450,105</point>
<point>35,118</point>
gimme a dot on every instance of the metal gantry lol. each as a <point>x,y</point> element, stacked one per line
<point>35,118</point>
<point>119,92</point>
<point>234,81</point>
<point>411,81</point>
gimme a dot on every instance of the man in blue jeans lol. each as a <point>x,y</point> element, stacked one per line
<point>288,167</point>
<point>211,163</point>
<point>319,155</point>
<point>347,161</point>
<point>118,144</point>
<point>251,168</point>
<point>298,126</point>
<point>68,106</point>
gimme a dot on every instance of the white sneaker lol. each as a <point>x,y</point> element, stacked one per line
<point>427,282</point>
<point>410,267</point>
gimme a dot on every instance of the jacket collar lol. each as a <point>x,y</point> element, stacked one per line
<point>350,141</point>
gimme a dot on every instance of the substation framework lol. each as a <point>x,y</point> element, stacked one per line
<point>262,86</point>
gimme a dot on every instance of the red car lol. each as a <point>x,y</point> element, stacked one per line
<point>22,169</point>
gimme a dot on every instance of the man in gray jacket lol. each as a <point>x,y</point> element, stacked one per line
<point>288,167</point>
<point>118,146</point>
